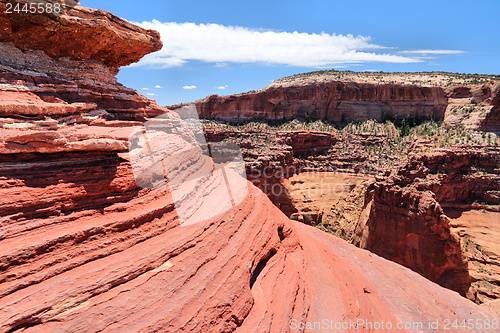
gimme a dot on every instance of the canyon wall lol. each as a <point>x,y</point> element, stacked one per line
<point>476,106</point>
<point>419,217</point>
<point>410,228</point>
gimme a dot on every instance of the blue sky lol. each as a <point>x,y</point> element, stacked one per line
<point>226,47</point>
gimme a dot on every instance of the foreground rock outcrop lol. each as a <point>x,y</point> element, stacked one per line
<point>84,249</point>
<point>70,67</point>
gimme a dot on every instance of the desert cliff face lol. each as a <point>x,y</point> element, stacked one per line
<point>333,101</point>
<point>365,96</point>
<point>83,248</point>
<point>430,215</point>
<point>410,228</point>
<point>475,106</point>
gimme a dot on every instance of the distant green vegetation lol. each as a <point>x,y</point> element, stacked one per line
<point>435,78</point>
<point>474,78</point>
<point>394,128</point>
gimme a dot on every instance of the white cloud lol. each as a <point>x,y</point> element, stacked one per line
<point>189,87</point>
<point>438,52</point>
<point>158,86</point>
<point>145,88</point>
<point>150,94</point>
<point>221,44</point>
<point>222,87</point>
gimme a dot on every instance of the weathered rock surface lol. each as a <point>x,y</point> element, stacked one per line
<point>73,59</point>
<point>476,106</point>
<point>308,196</point>
<point>324,97</point>
<point>421,218</point>
<point>84,33</point>
<point>135,263</point>
<point>308,142</point>
<point>333,101</point>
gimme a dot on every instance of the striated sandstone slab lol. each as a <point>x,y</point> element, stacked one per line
<point>133,267</point>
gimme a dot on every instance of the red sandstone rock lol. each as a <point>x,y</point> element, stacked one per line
<point>338,101</point>
<point>475,106</point>
<point>418,218</point>
<point>74,59</point>
<point>81,34</point>
<point>329,101</point>
<point>307,142</point>
<point>407,227</point>
<point>131,266</point>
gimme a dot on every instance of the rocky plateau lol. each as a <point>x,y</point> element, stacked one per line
<point>84,248</point>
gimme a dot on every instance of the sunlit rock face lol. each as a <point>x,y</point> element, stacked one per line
<point>333,101</point>
<point>474,105</point>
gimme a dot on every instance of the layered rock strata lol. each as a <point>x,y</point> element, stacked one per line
<point>70,67</point>
<point>436,215</point>
<point>334,101</point>
<point>325,97</point>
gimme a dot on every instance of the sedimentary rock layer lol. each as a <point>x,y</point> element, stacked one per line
<point>80,34</point>
<point>421,218</point>
<point>476,106</point>
<point>131,266</point>
<point>333,101</point>
<point>73,59</point>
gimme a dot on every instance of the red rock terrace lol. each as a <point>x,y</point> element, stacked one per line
<point>84,249</point>
<point>363,96</point>
<point>330,101</point>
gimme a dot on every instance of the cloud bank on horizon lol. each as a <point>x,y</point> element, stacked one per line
<point>219,44</point>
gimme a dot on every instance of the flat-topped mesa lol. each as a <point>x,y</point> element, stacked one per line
<point>472,100</point>
<point>74,58</point>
